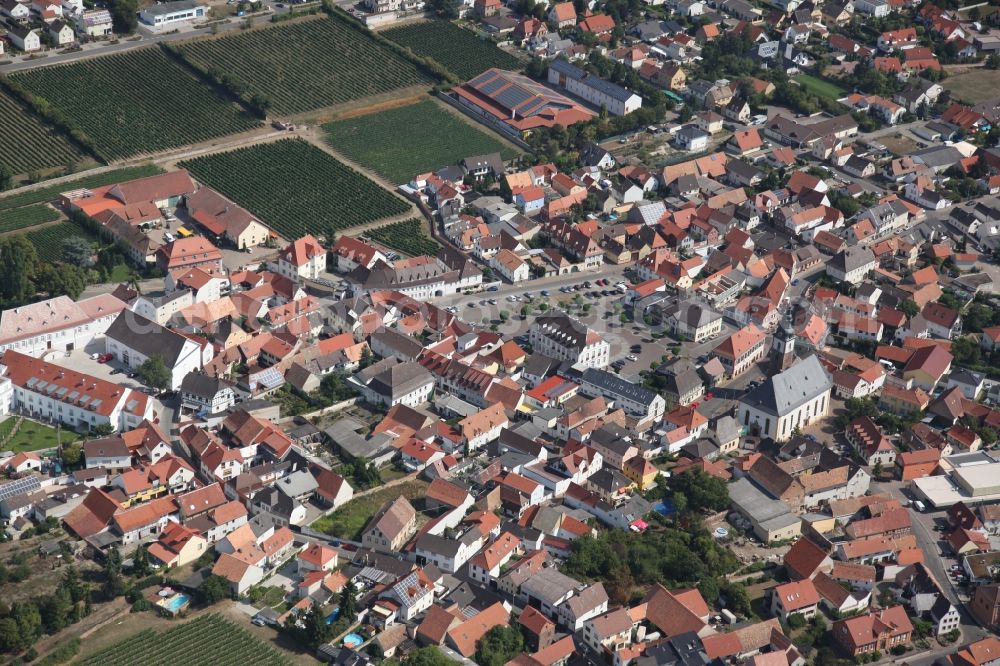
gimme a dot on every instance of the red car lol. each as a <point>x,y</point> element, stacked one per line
<point>104,358</point>
<point>709,396</point>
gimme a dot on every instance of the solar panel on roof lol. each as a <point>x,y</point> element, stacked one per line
<point>84,398</point>
<point>41,385</point>
<point>131,404</point>
<point>74,395</point>
<point>490,87</point>
<point>513,96</point>
<point>96,404</point>
<point>51,388</point>
<point>61,392</point>
<point>19,487</point>
<point>31,382</point>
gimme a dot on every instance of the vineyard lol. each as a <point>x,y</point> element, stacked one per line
<point>48,241</point>
<point>296,188</point>
<point>45,194</point>
<point>29,216</point>
<point>407,237</point>
<point>304,66</point>
<point>28,145</point>
<point>133,103</point>
<point>208,639</point>
<point>458,50</point>
<point>402,142</point>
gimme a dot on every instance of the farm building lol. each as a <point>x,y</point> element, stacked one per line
<point>94,23</point>
<point>515,105</point>
<point>172,12</point>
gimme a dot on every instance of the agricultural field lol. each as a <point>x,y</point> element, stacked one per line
<point>29,216</point>
<point>460,51</point>
<point>302,66</point>
<point>820,87</point>
<point>974,86</point>
<point>26,144</point>
<point>46,194</point>
<point>408,237</point>
<point>296,188</point>
<point>208,639</point>
<point>48,241</point>
<point>402,142</point>
<point>136,102</point>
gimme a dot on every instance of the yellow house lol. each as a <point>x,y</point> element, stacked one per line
<point>177,546</point>
<point>642,472</point>
<point>250,233</point>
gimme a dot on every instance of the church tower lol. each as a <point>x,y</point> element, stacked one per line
<point>783,346</point>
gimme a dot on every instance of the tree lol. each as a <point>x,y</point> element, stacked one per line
<point>737,598</point>
<point>72,454</point>
<point>6,177</point>
<point>78,251</point>
<point>10,635</point>
<point>315,629</point>
<point>877,469</point>
<point>348,603</point>
<point>61,279</point>
<point>18,263</point>
<point>796,621</point>
<point>154,372</point>
<point>213,590</point>
<point>428,656</point>
<point>103,429</point>
<point>702,491</point>
<point>500,644</point>
<point>909,308</point>
<point>123,16</point>
<point>112,585</point>
<point>140,562</point>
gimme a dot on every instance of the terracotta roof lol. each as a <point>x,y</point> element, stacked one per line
<point>804,558</point>
<point>465,636</point>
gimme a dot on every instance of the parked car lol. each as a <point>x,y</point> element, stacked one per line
<point>104,358</point>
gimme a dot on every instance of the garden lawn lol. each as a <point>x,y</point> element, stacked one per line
<point>348,521</point>
<point>820,87</point>
<point>975,85</point>
<point>296,188</point>
<point>462,52</point>
<point>34,436</point>
<point>400,143</point>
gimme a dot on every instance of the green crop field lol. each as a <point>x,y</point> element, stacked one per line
<point>48,241</point>
<point>45,194</point>
<point>458,50</point>
<point>305,66</point>
<point>26,144</point>
<point>296,188</point>
<point>135,102</point>
<point>409,237</point>
<point>29,216</point>
<point>402,142</point>
<point>208,639</point>
<point>820,87</point>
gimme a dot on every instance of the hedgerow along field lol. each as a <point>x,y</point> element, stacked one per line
<point>28,216</point>
<point>136,102</point>
<point>207,639</point>
<point>460,51</point>
<point>296,188</point>
<point>399,143</point>
<point>302,66</point>
<point>407,237</point>
<point>26,144</point>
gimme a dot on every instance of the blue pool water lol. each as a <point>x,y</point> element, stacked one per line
<point>332,617</point>
<point>353,640</point>
<point>176,602</point>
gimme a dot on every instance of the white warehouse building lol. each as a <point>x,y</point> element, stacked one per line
<point>618,101</point>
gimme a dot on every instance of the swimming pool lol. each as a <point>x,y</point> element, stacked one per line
<point>176,603</point>
<point>353,640</point>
